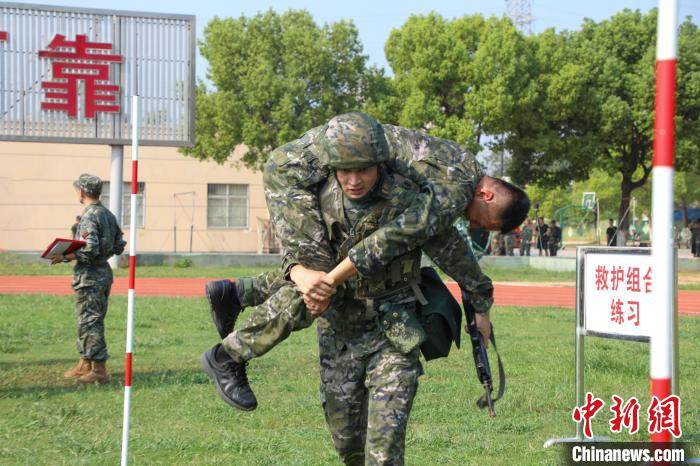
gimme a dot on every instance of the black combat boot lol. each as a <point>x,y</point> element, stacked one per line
<point>230,378</point>
<point>224,305</point>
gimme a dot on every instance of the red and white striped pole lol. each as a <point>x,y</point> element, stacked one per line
<point>135,130</point>
<point>662,338</point>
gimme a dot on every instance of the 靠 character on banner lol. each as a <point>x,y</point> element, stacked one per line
<point>75,61</point>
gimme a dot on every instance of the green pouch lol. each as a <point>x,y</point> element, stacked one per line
<point>401,326</point>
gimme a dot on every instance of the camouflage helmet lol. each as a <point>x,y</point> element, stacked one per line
<point>91,185</point>
<point>353,141</point>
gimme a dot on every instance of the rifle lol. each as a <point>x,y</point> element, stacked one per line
<point>481,360</point>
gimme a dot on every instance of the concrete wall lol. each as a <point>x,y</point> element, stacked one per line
<point>554,264</point>
<point>208,260</point>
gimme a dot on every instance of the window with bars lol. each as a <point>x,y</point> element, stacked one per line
<point>227,205</point>
<point>126,202</point>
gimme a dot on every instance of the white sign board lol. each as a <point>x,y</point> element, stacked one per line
<point>68,75</point>
<point>614,287</point>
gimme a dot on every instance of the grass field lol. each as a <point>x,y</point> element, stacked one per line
<point>177,418</point>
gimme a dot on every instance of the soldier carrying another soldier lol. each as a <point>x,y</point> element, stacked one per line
<point>92,279</point>
<point>371,326</point>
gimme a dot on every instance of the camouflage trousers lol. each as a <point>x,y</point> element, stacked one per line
<point>367,386</point>
<point>524,248</point>
<point>90,311</point>
<point>367,390</point>
<point>278,310</point>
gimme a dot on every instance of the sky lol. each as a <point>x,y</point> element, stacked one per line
<point>375,20</point>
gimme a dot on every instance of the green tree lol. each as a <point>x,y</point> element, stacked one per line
<point>596,105</point>
<point>276,76</point>
<point>553,143</point>
<point>380,96</point>
<point>603,185</point>
<point>606,187</point>
<point>461,79</point>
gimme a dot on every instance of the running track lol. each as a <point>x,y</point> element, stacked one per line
<point>505,294</point>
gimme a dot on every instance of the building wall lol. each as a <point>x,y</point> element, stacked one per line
<point>38,202</point>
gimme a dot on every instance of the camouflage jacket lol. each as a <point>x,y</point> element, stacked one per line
<point>349,222</point>
<point>445,174</point>
<point>103,238</point>
<point>450,251</point>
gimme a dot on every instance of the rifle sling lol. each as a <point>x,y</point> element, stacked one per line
<point>481,402</point>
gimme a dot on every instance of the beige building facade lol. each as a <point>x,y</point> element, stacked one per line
<point>182,201</point>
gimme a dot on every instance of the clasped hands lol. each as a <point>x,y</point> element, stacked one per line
<point>317,287</point>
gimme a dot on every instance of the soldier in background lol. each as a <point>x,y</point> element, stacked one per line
<point>92,279</point>
<point>695,238</point>
<point>498,246</point>
<point>526,238</point>
<point>509,242</point>
<point>685,237</point>
<point>554,238</point>
<point>611,233</point>
<point>74,228</point>
<point>542,231</point>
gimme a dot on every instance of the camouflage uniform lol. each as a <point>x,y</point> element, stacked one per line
<point>368,343</point>
<point>445,174</point>
<point>498,246</point>
<point>445,178</point>
<point>277,308</point>
<point>352,334</point>
<point>509,242</point>
<point>92,275</point>
<point>525,240</point>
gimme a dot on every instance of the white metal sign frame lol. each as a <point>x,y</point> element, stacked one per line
<point>158,64</point>
<point>581,331</point>
<point>584,310</point>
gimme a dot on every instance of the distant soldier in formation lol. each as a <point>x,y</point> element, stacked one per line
<point>695,238</point>
<point>509,243</point>
<point>74,228</point>
<point>526,238</point>
<point>554,240</point>
<point>92,279</point>
<point>499,244</point>
<point>611,233</point>
<point>542,231</point>
<point>685,236</point>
